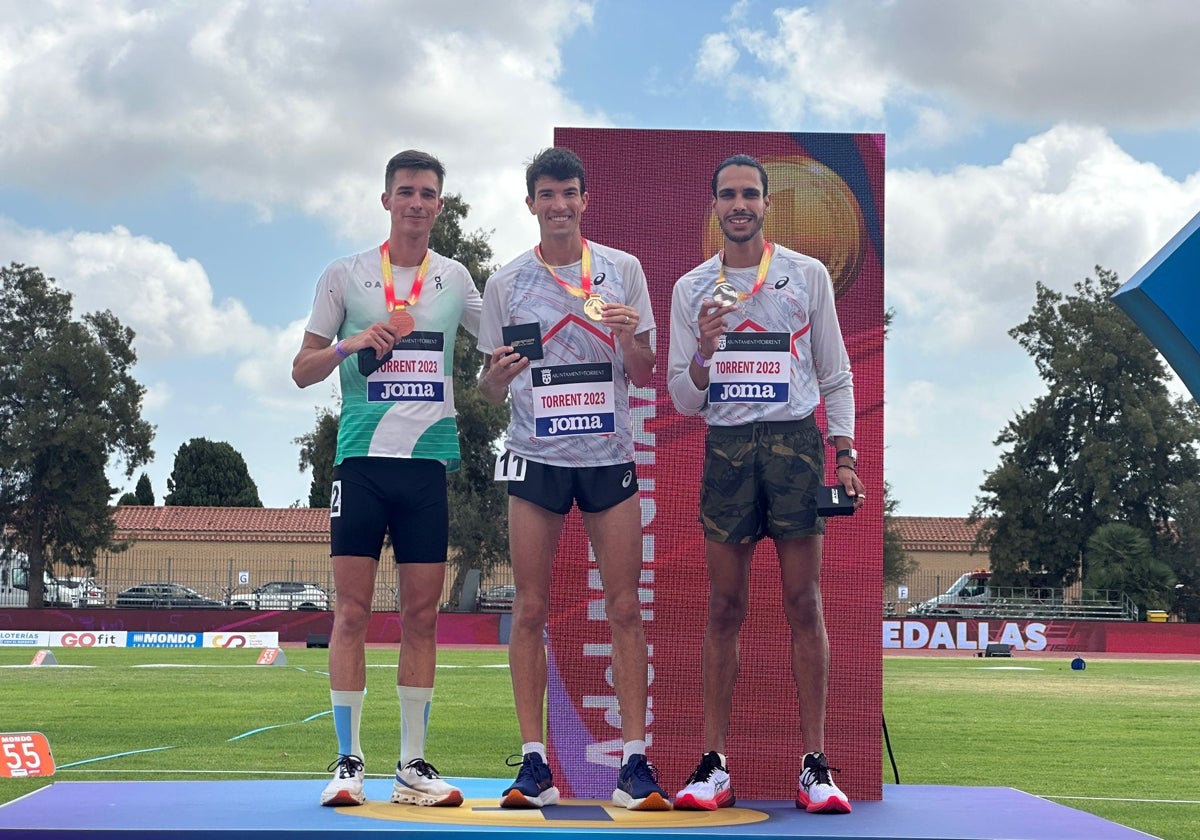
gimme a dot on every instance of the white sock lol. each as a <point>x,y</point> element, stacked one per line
<point>633,748</point>
<point>534,747</point>
<point>347,720</point>
<point>414,721</point>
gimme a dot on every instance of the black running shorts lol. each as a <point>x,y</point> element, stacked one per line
<point>403,497</point>
<point>594,489</point>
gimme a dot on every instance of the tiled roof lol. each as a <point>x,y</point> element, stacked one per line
<point>936,533</point>
<point>222,524</point>
<point>311,525</point>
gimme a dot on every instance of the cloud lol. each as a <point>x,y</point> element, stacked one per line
<point>806,68</point>
<point>1109,62</point>
<point>267,374</point>
<point>965,248</point>
<point>167,301</point>
<point>285,104</point>
<point>841,66</point>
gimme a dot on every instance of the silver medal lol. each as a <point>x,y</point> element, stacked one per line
<point>725,295</point>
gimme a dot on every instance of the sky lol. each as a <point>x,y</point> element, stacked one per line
<point>195,166</point>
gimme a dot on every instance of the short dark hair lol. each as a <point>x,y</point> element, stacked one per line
<point>412,159</point>
<point>739,160</point>
<point>557,163</point>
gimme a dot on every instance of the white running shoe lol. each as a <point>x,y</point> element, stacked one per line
<point>817,793</point>
<point>346,787</point>
<point>418,783</point>
<point>709,788</point>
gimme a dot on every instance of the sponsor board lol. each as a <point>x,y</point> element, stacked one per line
<point>89,638</point>
<point>242,640</point>
<point>157,639</point>
<point>24,638</point>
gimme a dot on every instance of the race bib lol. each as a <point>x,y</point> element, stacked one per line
<point>413,373</point>
<point>751,367</point>
<point>573,400</point>
<point>509,467</point>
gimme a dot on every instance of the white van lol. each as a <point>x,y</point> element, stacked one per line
<point>14,584</point>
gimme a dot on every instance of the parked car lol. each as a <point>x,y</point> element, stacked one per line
<point>165,595</point>
<point>496,598</point>
<point>283,595</point>
<point>81,591</point>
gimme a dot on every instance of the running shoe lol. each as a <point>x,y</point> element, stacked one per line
<point>346,787</point>
<point>817,793</point>
<point>638,788</point>
<point>418,783</point>
<point>708,788</point>
<point>534,787</point>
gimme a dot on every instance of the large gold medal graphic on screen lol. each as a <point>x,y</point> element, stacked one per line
<point>813,211</point>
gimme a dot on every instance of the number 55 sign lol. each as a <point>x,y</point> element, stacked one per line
<point>25,754</point>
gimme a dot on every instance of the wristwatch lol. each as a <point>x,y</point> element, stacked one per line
<point>852,454</point>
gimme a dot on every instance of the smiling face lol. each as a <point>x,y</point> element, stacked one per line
<point>559,207</point>
<point>740,205</point>
<point>414,201</point>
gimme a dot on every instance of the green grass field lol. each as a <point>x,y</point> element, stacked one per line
<point>1117,739</point>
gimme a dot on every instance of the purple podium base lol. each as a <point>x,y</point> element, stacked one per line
<point>266,809</point>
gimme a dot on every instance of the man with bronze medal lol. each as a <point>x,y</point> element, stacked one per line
<point>391,339</point>
<point>755,348</point>
<point>579,316</point>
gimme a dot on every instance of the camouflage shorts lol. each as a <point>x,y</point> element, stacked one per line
<point>760,480</point>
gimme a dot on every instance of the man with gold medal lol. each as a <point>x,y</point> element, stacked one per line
<point>755,348</point>
<point>386,320</point>
<point>582,314</point>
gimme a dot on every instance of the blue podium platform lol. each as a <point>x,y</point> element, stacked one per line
<point>265,809</point>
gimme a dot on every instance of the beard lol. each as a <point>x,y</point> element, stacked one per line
<point>742,237</point>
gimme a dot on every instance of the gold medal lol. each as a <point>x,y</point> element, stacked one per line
<point>402,321</point>
<point>725,294</point>
<point>593,307</point>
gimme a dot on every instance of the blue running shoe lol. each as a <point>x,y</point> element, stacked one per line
<point>534,787</point>
<point>638,788</point>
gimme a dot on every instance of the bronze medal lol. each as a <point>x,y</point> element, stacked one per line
<point>593,307</point>
<point>402,321</point>
<point>725,295</point>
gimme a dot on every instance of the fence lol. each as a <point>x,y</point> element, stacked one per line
<point>233,578</point>
<point>1072,602</point>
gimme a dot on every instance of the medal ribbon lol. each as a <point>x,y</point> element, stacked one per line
<point>389,288</point>
<point>759,279</point>
<point>585,272</point>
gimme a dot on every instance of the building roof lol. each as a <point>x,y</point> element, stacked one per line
<point>222,524</point>
<point>936,533</point>
<point>311,525</point>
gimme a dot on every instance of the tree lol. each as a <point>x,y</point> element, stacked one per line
<point>478,503</point>
<point>68,406</point>
<point>1105,444</point>
<point>897,564</point>
<point>1183,555</point>
<point>318,449</point>
<point>1119,557</point>
<point>143,493</point>
<point>210,473</point>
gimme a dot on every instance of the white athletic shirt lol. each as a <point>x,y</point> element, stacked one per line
<point>577,413</point>
<point>781,354</point>
<point>406,408</point>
